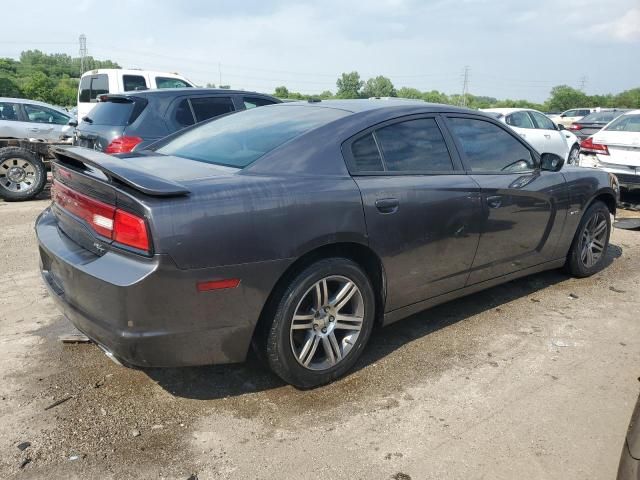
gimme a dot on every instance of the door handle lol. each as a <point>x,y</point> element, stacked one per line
<point>34,129</point>
<point>387,205</point>
<point>494,201</point>
<point>546,135</point>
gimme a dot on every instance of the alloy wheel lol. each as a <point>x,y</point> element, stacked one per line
<point>17,174</point>
<point>327,322</point>
<point>593,240</point>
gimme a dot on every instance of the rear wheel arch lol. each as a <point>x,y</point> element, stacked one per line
<point>357,252</point>
<point>606,197</point>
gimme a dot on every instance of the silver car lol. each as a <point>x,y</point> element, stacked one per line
<point>21,118</point>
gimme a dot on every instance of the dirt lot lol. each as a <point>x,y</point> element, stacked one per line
<point>535,379</point>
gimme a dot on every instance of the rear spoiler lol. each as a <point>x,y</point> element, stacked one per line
<point>121,169</point>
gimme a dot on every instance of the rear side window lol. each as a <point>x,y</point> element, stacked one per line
<point>134,82</point>
<point>366,156</point>
<point>625,123</point>
<point>209,107</point>
<point>488,148</point>
<point>168,82</point>
<point>183,116</point>
<point>253,102</point>
<point>92,86</point>
<point>239,139</point>
<point>118,113</point>
<point>8,111</point>
<point>519,120</point>
<point>601,117</point>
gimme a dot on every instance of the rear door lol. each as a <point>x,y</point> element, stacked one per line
<point>422,212</point>
<point>13,123</point>
<point>523,208</point>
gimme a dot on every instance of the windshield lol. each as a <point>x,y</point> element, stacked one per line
<point>601,117</point>
<point>241,138</point>
<point>625,123</point>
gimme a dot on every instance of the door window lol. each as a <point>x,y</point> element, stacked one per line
<point>209,107</point>
<point>134,82</point>
<point>253,102</point>
<point>542,121</point>
<point>183,115</point>
<point>519,120</point>
<point>39,114</point>
<point>489,148</point>
<point>366,157</point>
<point>167,82</point>
<point>9,111</point>
<point>92,86</point>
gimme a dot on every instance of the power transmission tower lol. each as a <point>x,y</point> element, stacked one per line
<point>583,83</point>
<point>83,51</point>
<point>465,86</point>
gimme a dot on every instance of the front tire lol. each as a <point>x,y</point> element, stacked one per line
<point>588,250</point>
<point>22,174</point>
<point>574,155</point>
<point>321,324</point>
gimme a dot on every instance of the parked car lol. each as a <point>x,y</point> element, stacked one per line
<point>616,149</point>
<point>537,129</point>
<point>567,117</point>
<point>121,122</point>
<point>629,467</point>
<point>594,122</point>
<point>116,80</point>
<point>21,118</point>
<point>298,226</point>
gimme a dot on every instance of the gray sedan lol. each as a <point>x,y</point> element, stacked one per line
<point>298,227</point>
<point>20,118</point>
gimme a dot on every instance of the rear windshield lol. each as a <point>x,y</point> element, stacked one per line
<point>91,86</point>
<point>241,138</point>
<point>625,123</point>
<point>111,113</point>
<point>601,117</point>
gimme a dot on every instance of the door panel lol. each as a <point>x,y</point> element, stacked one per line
<point>426,230</point>
<point>551,139</point>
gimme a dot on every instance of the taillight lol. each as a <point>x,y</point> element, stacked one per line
<point>122,144</point>
<point>104,219</point>
<point>575,126</point>
<point>588,145</point>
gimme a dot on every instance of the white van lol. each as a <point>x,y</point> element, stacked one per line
<point>115,80</point>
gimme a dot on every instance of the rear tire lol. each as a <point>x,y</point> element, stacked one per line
<point>589,248</point>
<point>574,155</point>
<point>22,174</point>
<point>333,303</point>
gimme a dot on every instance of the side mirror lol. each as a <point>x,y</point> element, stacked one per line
<point>561,127</point>
<point>72,123</point>
<point>563,115</point>
<point>551,162</point>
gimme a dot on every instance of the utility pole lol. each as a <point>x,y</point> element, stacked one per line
<point>83,51</point>
<point>583,83</point>
<point>219,74</point>
<point>465,86</point>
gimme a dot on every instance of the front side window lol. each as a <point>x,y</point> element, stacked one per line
<point>240,139</point>
<point>168,82</point>
<point>39,114</point>
<point>489,148</point>
<point>253,102</point>
<point>134,82</point>
<point>570,113</point>
<point>8,111</point>
<point>542,121</point>
<point>519,120</point>
<point>625,123</point>
<point>209,107</point>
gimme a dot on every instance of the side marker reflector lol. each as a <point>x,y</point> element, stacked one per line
<point>218,284</point>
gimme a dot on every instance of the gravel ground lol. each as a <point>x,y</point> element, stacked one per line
<point>534,379</point>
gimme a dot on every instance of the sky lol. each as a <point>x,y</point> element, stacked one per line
<point>513,49</point>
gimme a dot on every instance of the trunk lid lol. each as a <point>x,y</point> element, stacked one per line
<point>624,147</point>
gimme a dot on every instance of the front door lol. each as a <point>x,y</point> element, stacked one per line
<point>422,212</point>
<point>552,139</point>
<point>523,208</point>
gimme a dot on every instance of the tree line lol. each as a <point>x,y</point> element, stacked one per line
<point>53,78</point>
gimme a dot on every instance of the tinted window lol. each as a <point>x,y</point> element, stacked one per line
<point>366,157</point>
<point>543,122</point>
<point>92,86</point>
<point>167,82</point>
<point>209,107</point>
<point>39,114</point>
<point>570,113</point>
<point>111,113</point>
<point>134,82</point>
<point>601,117</point>
<point>488,148</point>
<point>183,115</point>
<point>239,139</point>
<point>253,102</point>
<point>625,123</point>
<point>416,145</point>
<point>520,120</point>
<point>8,111</point>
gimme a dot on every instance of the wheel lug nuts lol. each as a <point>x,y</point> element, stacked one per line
<point>331,319</point>
<point>324,330</point>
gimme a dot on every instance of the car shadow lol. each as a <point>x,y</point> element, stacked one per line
<point>219,381</point>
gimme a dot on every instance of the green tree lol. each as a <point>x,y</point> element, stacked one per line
<point>379,86</point>
<point>408,92</point>
<point>9,87</point>
<point>326,95</point>
<point>39,87</point>
<point>434,96</point>
<point>282,92</point>
<point>210,85</point>
<point>627,99</point>
<point>349,85</point>
<point>564,97</point>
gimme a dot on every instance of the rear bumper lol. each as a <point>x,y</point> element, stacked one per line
<point>147,312</point>
<point>628,177</point>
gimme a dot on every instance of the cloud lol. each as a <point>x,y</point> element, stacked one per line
<point>625,28</point>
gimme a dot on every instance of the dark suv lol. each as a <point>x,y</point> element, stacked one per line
<point>124,121</point>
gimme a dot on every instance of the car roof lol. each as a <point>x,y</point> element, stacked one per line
<point>632,112</point>
<point>33,102</point>
<point>179,91</point>
<point>363,105</point>
<point>129,71</point>
<point>507,111</point>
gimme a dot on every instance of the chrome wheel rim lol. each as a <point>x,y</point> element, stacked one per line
<point>573,156</point>
<point>17,174</point>
<point>327,323</point>
<point>593,239</point>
